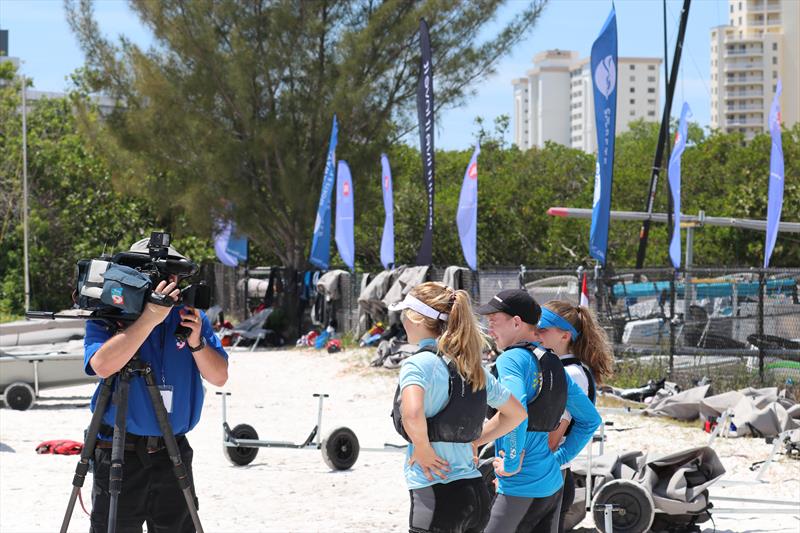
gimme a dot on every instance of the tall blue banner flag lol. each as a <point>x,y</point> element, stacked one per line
<point>387,240</point>
<point>674,171</point>
<point>775,196</point>
<point>604,81</point>
<point>467,214</point>
<point>425,118</point>
<point>321,243</point>
<point>237,245</point>
<point>221,238</point>
<point>345,242</point>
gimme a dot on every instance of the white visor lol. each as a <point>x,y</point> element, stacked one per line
<point>422,308</point>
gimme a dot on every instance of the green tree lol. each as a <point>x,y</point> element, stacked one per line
<point>74,210</point>
<point>231,109</point>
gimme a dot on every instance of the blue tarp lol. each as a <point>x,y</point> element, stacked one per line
<point>703,290</point>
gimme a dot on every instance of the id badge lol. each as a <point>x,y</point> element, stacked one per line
<point>166,396</point>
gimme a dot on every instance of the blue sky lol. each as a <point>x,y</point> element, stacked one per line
<point>40,37</point>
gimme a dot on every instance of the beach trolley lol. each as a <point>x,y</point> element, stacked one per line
<point>340,447</point>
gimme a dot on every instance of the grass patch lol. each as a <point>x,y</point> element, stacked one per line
<point>9,317</point>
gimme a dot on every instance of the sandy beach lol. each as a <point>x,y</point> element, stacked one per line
<point>293,490</point>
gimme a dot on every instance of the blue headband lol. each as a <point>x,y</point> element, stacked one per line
<point>550,319</point>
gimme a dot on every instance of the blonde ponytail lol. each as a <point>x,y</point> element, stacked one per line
<point>460,336</point>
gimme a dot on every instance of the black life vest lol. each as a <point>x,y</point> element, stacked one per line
<point>572,360</point>
<point>546,408</point>
<point>461,419</point>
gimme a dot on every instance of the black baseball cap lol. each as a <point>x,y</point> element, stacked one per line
<point>515,302</point>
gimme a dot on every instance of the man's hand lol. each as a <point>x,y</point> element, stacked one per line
<point>190,318</point>
<point>499,464</point>
<point>155,314</point>
<point>427,459</point>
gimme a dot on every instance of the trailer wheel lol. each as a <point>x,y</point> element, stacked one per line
<point>240,455</point>
<point>637,509</point>
<point>19,396</point>
<point>340,448</point>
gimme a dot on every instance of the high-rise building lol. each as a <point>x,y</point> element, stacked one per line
<point>555,101</point>
<point>760,44</point>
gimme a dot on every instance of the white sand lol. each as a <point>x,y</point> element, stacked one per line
<point>290,490</point>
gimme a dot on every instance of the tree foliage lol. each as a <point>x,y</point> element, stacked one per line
<point>74,210</point>
<point>230,112</point>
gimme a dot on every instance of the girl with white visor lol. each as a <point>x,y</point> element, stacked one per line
<point>440,408</point>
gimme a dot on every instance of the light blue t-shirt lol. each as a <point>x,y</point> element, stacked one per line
<point>429,371</point>
<point>541,475</point>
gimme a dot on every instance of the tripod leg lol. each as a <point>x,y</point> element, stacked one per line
<point>118,448</point>
<point>88,449</point>
<point>180,470</point>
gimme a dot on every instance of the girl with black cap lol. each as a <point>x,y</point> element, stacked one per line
<point>440,407</point>
<point>574,335</point>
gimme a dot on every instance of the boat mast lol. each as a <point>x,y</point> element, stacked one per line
<point>25,195</point>
<point>662,134</point>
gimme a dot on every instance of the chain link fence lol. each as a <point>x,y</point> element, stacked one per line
<point>741,325</point>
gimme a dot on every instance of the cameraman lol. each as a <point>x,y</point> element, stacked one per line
<point>150,492</point>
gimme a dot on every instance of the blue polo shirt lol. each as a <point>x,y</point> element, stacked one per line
<point>429,371</point>
<point>518,370</point>
<point>173,366</point>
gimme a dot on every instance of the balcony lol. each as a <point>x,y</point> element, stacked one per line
<point>750,52</point>
<point>747,80</point>
<point>748,107</point>
<point>748,122</point>
<point>738,67</point>
<point>743,94</point>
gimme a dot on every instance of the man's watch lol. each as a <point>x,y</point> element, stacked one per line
<point>202,345</point>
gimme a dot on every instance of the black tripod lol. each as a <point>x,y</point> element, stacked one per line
<point>123,378</point>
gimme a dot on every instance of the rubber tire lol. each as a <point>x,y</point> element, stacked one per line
<point>19,396</point>
<point>637,502</point>
<point>242,456</point>
<point>340,449</point>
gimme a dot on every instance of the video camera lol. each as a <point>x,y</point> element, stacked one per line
<point>119,287</point>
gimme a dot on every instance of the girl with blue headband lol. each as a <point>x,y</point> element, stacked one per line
<point>574,335</point>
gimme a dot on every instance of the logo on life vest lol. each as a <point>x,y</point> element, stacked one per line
<point>537,381</point>
<point>116,296</point>
<point>180,344</point>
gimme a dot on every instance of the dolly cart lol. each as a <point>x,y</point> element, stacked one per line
<point>340,448</point>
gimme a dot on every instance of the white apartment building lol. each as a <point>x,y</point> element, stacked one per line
<point>760,45</point>
<point>555,101</point>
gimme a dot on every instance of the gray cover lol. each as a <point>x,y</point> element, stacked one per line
<point>758,412</point>
<point>767,421</point>
<point>714,406</point>
<point>682,406</point>
<point>328,284</point>
<point>370,300</point>
<point>454,277</point>
<point>676,482</point>
<point>408,279</point>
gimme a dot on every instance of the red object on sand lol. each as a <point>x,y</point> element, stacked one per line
<point>60,447</point>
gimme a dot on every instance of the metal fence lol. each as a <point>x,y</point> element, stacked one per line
<point>725,322</point>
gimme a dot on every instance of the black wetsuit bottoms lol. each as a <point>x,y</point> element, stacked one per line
<point>568,497</point>
<point>150,493</point>
<point>461,506</point>
<point>525,515</point>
